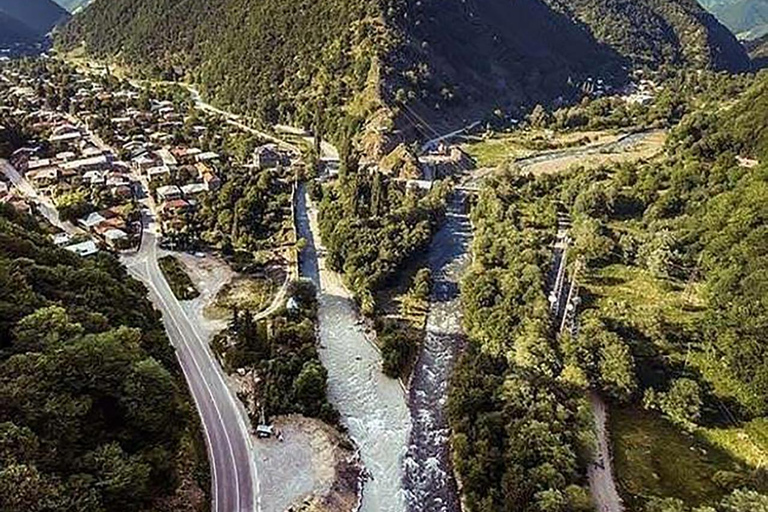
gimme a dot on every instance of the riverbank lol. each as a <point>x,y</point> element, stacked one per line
<point>372,406</point>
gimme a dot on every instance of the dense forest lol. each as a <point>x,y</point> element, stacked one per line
<point>399,68</point>
<point>282,353</point>
<point>94,413</point>
<point>673,319</point>
<point>371,225</point>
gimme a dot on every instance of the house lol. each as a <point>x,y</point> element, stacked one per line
<point>187,155</point>
<point>265,157</point>
<point>115,179</point>
<point>194,189</point>
<point>61,239</point>
<point>44,177</point>
<point>166,157</point>
<point>158,173</point>
<point>85,164</point>
<point>92,220</point>
<point>144,162</point>
<point>65,156</point>
<point>174,207</point>
<point>208,176</point>
<point>206,157</point>
<point>38,163</point>
<point>123,192</point>
<point>168,193</point>
<point>65,138</point>
<point>94,178</point>
<point>116,238</point>
<point>84,249</point>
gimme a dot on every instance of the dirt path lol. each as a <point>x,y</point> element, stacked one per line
<point>601,482</point>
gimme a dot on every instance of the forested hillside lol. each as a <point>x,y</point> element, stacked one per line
<point>397,64</point>
<point>94,413</point>
<point>672,327</point>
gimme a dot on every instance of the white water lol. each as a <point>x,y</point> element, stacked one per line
<point>372,406</point>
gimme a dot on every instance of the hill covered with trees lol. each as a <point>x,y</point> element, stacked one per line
<point>672,327</point>
<point>406,68</point>
<point>94,413</point>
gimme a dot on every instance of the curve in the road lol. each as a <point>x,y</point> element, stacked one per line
<point>234,479</point>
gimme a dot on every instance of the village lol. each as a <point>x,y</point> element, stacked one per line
<point>115,146</point>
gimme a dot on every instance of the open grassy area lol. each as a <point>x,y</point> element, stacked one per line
<point>654,458</point>
<point>749,442</point>
<point>178,279</point>
<point>244,293</point>
<point>677,302</point>
<point>506,147</point>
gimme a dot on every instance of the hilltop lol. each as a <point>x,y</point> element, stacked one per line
<point>400,69</point>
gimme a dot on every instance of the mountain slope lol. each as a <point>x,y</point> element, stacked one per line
<point>72,5</point>
<point>746,18</point>
<point>39,16</point>
<point>11,31</point>
<point>397,64</point>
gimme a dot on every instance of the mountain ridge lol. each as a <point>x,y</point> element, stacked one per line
<point>398,69</point>
<point>38,17</point>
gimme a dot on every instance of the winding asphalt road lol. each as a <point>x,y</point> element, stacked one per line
<point>234,481</point>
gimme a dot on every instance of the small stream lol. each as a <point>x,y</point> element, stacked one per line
<point>372,406</point>
<point>429,480</point>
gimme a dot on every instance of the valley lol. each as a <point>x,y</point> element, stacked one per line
<point>382,256</point>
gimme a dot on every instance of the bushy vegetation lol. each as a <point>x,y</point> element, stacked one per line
<point>520,420</point>
<point>177,277</point>
<point>93,410</point>
<point>282,352</point>
<point>372,225</point>
<point>673,319</point>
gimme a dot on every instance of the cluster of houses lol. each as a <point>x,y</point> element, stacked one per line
<point>117,146</point>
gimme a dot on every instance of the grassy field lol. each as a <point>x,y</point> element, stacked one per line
<point>654,458</point>
<point>244,293</point>
<point>506,147</point>
<point>182,286</point>
<point>676,301</point>
<point>566,149</point>
<point>748,442</point>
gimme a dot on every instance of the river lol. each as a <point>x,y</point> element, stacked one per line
<point>429,480</point>
<point>372,406</point>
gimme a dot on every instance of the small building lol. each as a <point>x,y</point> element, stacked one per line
<point>266,157</point>
<point>158,173</point>
<point>65,138</point>
<point>94,178</point>
<point>43,177</point>
<point>116,238</point>
<point>61,239</point>
<point>194,189</point>
<point>208,156</point>
<point>168,193</point>
<point>92,220</point>
<point>208,176</point>
<point>83,249</point>
<point>166,157</point>
<point>174,207</point>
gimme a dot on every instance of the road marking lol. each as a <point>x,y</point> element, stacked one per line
<point>202,377</point>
